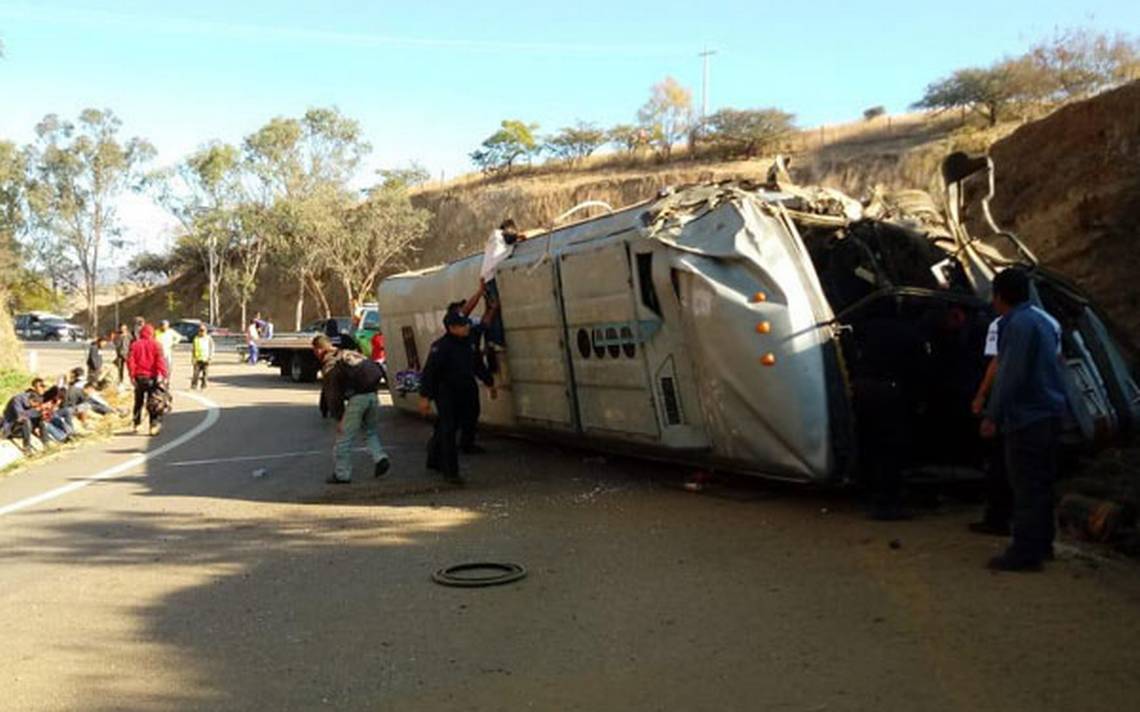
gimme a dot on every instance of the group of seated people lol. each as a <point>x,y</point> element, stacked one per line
<point>53,414</point>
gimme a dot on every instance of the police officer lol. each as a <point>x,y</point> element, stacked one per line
<point>448,378</point>
<point>469,419</point>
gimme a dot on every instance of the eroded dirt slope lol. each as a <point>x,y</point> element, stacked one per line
<point>1069,185</point>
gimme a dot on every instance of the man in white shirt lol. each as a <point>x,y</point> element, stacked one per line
<point>252,336</point>
<point>499,247</point>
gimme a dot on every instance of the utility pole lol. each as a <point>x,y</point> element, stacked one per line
<point>705,81</point>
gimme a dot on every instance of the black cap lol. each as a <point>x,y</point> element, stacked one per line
<point>454,318</point>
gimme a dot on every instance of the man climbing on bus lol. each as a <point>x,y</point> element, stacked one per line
<point>448,378</point>
<point>499,247</point>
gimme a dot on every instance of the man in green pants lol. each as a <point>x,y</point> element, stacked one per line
<point>351,382</point>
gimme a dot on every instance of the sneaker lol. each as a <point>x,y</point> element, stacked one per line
<point>989,528</point>
<point>135,428</point>
<point>382,467</point>
<point>155,428</point>
<point>334,480</point>
<point>1010,561</point>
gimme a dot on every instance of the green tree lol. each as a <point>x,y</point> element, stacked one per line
<point>575,143</point>
<point>668,113</point>
<point>147,269</point>
<point>203,193</point>
<point>299,170</point>
<point>372,238</point>
<point>1079,62</point>
<point>78,171</point>
<point>991,92</point>
<point>874,112</point>
<point>413,176</point>
<point>748,131</point>
<point>514,140</point>
<point>13,208</point>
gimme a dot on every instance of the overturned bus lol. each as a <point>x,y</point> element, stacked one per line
<point>770,329</point>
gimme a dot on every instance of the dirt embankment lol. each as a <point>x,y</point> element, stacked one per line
<point>1069,185</point>
<point>11,355</point>
<point>185,297</point>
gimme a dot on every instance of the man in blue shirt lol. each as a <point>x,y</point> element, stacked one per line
<point>1026,405</point>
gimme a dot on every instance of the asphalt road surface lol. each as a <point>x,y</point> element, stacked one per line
<point>164,574</point>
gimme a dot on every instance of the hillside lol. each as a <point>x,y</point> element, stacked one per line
<point>1063,184</point>
<point>1069,185</point>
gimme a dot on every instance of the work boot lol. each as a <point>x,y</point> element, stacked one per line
<point>381,468</point>
<point>990,528</point>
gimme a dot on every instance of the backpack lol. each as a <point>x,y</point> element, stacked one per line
<point>159,400</point>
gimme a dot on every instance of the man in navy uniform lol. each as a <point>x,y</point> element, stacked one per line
<point>448,378</point>
<point>1026,406</point>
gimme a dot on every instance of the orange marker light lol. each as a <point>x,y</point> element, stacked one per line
<point>759,297</point>
<point>763,327</point>
<point>768,359</point>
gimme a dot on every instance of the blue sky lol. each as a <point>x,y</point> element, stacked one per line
<point>428,81</point>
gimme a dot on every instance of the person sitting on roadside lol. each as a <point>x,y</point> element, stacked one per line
<point>57,423</point>
<point>499,247</point>
<point>147,368</point>
<point>83,397</point>
<point>22,414</point>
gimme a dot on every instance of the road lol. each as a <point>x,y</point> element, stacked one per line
<point>181,581</point>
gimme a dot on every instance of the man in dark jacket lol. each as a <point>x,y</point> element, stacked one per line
<point>351,381</point>
<point>95,359</point>
<point>1026,405</point>
<point>22,414</point>
<point>448,378</point>
<point>469,412</point>
<point>123,341</point>
<point>148,369</point>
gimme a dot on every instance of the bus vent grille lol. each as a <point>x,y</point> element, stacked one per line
<point>669,395</point>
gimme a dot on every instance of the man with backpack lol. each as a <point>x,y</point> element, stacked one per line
<point>351,382</point>
<point>148,372</point>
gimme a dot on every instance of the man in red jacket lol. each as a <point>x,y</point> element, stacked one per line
<point>147,367</point>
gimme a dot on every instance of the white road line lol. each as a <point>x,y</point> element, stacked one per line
<point>212,415</point>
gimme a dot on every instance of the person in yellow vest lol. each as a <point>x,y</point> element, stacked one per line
<point>201,353</point>
<point>167,338</point>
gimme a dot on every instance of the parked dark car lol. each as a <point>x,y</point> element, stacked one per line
<point>47,327</point>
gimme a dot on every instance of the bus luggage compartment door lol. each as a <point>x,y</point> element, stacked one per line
<point>536,354</point>
<point>611,379</point>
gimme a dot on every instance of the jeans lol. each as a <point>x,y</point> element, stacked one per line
<point>143,388</point>
<point>199,375</point>
<point>253,353</point>
<point>495,333</point>
<point>1031,461</point>
<point>361,416</point>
